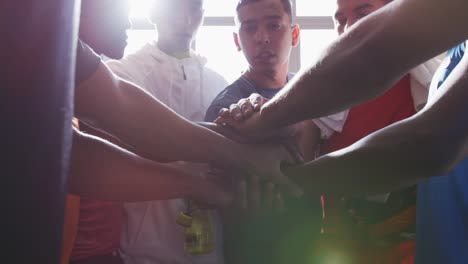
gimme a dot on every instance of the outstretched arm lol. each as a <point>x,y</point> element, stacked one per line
<point>104,171</point>
<point>429,143</point>
<point>134,116</point>
<point>365,61</point>
<point>158,133</point>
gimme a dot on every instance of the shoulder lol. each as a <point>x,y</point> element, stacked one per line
<point>241,88</point>
<point>133,65</point>
<point>235,91</point>
<point>87,62</point>
<point>213,81</point>
<point>215,76</point>
<point>134,59</point>
<point>229,95</point>
<point>291,75</point>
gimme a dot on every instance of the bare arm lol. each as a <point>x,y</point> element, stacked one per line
<point>366,61</point>
<point>156,132</point>
<point>305,136</point>
<point>102,170</point>
<point>427,144</point>
<point>137,118</point>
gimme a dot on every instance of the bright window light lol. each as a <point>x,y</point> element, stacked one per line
<point>315,7</point>
<point>313,42</point>
<point>215,42</point>
<point>221,51</point>
<point>139,8</point>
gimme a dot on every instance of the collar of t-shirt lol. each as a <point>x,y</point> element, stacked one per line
<point>162,57</point>
<point>265,92</point>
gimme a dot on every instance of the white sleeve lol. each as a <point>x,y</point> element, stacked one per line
<point>330,124</point>
<point>421,78</point>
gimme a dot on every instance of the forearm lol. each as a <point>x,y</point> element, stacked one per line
<point>364,62</point>
<point>142,121</point>
<point>429,143</point>
<point>163,134</point>
<point>398,156</point>
<point>373,165</point>
<point>104,171</point>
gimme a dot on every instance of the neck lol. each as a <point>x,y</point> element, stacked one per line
<point>268,79</point>
<point>177,50</point>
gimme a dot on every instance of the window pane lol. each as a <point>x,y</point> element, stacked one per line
<point>313,42</point>
<point>315,7</point>
<point>139,8</point>
<point>220,7</point>
<point>138,38</point>
<point>217,45</point>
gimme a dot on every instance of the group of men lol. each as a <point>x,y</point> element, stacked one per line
<point>163,88</point>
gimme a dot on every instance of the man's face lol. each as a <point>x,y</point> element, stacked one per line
<point>348,12</point>
<point>178,20</point>
<point>265,35</point>
<point>104,25</point>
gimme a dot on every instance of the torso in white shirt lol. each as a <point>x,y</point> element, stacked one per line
<point>150,233</point>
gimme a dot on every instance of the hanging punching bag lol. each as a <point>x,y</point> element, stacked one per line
<point>37,58</point>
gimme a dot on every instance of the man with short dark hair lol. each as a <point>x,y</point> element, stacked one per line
<point>266,35</point>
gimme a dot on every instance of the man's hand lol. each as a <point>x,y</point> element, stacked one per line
<point>266,162</point>
<point>244,116</point>
<point>244,108</point>
<point>252,199</point>
<point>253,196</point>
<point>250,192</point>
<point>211,188</point>
<point>227,131</point>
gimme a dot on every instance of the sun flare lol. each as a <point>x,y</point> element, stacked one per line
<point>139,8</point>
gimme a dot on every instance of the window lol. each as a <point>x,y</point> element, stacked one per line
<point>220,8</point>
<point>314,7</point>
<point>139,8</point>
<point>139,37</point>
<point>214,40</point>
<point>217,44</point>
<point>313,42</point>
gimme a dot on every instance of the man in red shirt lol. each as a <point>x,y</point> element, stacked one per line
<point>399,102</point>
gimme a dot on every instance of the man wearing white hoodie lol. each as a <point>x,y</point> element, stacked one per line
<point>172,72</point>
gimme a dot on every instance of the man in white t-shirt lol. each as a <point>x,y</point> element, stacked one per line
<point>169,70</point>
